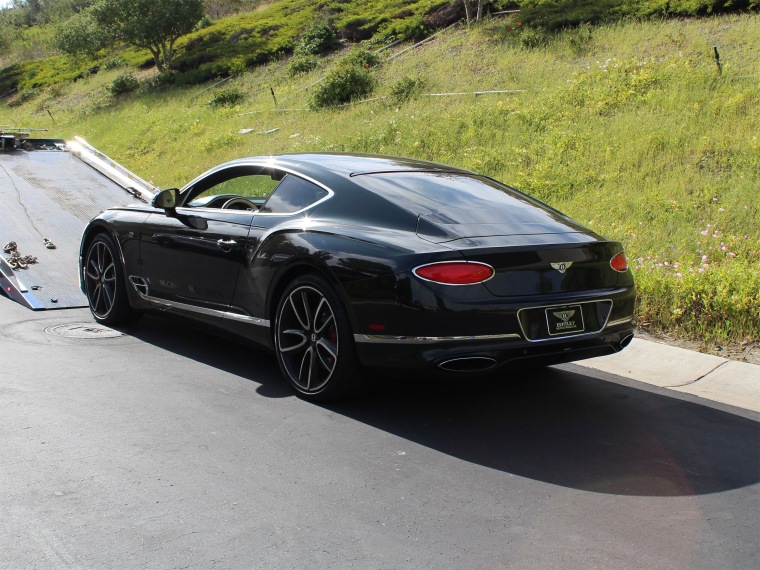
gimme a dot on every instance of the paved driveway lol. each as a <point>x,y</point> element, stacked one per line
<point>170,448</point>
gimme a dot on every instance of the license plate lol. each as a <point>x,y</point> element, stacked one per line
<point>564,320</point>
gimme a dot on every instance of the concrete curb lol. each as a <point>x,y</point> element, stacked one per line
<point>710,377</point>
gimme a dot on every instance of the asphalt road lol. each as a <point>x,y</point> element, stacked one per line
<point>170,448</point>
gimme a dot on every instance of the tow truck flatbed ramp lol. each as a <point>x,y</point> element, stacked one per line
<point>49,194</point>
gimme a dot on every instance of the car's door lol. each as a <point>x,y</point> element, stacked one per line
<point>191,256</point>
<point>291,199</point>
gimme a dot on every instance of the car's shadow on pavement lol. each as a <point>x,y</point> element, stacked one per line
<point>190,341</point>
<point>572,429</point>
<point>562,426</point>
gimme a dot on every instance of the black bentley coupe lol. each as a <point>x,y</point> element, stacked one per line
<point>342,261</point>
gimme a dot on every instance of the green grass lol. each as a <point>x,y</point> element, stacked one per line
<point>627,127</point>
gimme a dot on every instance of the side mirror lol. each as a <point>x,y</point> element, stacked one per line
<point>165,199</point>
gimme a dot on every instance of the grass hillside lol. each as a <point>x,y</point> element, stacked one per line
<point>629,128</point>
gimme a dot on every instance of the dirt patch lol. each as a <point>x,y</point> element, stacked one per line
<point>741,352</point>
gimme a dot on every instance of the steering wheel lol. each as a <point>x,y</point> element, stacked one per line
<point>239,203</point>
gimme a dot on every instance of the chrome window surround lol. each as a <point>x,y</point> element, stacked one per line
<point>330,193</point>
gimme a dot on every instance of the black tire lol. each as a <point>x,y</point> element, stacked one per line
<point>104,283</point>
<point>314,342</point>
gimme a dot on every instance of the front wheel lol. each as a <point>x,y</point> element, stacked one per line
<point>314,342</point>
<point>104,283</point>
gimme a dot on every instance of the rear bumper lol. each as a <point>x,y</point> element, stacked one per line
<point>475,355</point>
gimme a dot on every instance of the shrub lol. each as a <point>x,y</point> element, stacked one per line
<point>80,35</point>
<point>162,80</point>
<point>227,98</point>
<point>407,88</point>
<point>113,63</point>
<point>302,63</point>
<point>717,304</point>
<point>553,15</point>
<point>24,96</point>
<point>359,57</point>
<point>204,22</point>
<point>412,29</point>
<point>343,84</point>
<point>581,39</point>
<point>532,38</point>
<point>357,29</point>
<point>195,76</point>
<point>317,39</point>
<point>124,83</point>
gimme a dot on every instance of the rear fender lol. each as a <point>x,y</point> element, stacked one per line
<point>340,259</point>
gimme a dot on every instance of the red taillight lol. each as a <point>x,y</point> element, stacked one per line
<point>619,262</point>
<point>455,273</point>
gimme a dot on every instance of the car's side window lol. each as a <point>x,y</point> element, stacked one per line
<point>248,186</point>
<point>293,194</point>
<point>233,188</point>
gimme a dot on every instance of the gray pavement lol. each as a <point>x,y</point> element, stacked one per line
<point>165,447</point>
<point>685,371</point>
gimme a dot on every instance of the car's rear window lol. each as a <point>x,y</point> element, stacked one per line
<point>455,198</point>
<point>292,195</point>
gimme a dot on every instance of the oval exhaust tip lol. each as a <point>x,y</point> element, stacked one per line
<point>626,341</point>
<point>468,364</point>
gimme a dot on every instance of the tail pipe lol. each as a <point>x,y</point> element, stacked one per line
<point>468,364</point>
<point>626,341</point>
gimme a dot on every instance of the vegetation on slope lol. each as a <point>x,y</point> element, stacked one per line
<point>627,127</point>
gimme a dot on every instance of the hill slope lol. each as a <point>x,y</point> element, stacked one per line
<point>628,128</point>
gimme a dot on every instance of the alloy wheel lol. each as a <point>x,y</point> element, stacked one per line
<point>307,338</point>
<point>100,273</point>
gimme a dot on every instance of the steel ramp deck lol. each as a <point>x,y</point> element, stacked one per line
<point>49,194</point>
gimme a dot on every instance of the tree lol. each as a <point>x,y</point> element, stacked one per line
<point>154,25</point>
<point>473,7</point>
<point>80,35</point>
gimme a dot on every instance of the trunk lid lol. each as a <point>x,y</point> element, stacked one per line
<point>536,268</point>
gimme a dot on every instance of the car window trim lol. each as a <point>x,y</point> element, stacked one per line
<point>287,170</point>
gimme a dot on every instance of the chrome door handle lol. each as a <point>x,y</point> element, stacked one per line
<point>226,243</point>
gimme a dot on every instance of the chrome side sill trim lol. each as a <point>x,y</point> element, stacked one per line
<point>389,339</point>
<point>256,321</point>
<point>247,319</point>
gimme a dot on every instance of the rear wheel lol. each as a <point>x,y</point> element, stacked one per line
<point>104,282</point>
<point>314,342</point>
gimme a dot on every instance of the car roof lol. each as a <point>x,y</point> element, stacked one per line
<point>349,164</point>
